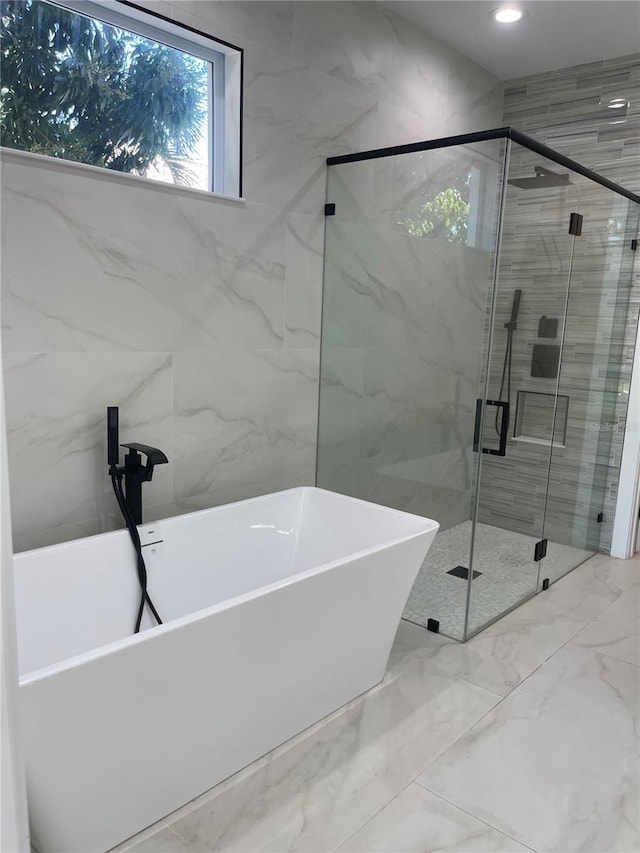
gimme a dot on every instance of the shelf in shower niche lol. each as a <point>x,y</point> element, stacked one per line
<point>541,418</point>
<point>525,439</point>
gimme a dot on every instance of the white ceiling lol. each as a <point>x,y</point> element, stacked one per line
<point>555,33</point>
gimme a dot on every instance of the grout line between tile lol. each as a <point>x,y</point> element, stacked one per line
<point>433,667</point>
<point>471,814</point>
<point>526,678</point>
<point>608,657</point>
<point>182,841</point>
<point>373,816</point>
<point>461,735</point>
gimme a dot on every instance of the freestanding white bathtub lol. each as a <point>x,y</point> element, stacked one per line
<point>277,611</point>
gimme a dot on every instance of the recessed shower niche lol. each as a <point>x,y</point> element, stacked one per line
<point>446,263</point>
<point>537,422</point>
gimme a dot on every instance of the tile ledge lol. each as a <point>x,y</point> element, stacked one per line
<point>54,163</point>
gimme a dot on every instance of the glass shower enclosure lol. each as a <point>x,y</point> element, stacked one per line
<point>475,309</point>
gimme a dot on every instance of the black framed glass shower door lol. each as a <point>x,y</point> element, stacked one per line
<point>533,273</point>
<point>427,310</point>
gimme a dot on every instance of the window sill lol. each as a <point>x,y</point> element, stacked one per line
<point>42,161</point>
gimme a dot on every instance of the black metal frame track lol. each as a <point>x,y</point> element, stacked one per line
<point>484,136</point>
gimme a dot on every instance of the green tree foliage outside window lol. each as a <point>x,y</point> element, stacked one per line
<point>76,88</point>
<point>444,216</point>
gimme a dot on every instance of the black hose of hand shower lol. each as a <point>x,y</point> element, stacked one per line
<point>137,545</point>
<point>116,481</point>
<point>142,569</point>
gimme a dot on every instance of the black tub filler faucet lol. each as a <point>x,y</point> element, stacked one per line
<point>135,472</point>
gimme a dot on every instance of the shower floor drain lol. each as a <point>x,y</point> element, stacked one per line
<point>463,572</point>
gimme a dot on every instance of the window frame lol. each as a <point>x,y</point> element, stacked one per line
<point>223,103</point>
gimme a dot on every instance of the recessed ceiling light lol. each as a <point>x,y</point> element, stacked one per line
<point>507,14</point>
<point>617,103</point>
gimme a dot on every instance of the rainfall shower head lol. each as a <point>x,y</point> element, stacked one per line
<point>544,178</point>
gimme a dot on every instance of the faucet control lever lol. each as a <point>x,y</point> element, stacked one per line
<point>153,454</point>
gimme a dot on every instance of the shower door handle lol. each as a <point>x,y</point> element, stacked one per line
<point>501,450</point>
<point>476,427</point>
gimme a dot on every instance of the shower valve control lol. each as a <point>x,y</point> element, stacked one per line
<point>547,327</point>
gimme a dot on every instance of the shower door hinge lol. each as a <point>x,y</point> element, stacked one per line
<point>330,209</point>
<point>634,245</point>
<point>540,550</point>
<point>545,583</point>
<point>433,625</point>
<point>575,224</point>
<point>600,517</point>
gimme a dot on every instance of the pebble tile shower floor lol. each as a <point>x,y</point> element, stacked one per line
<point>524,738</point>
<point>508,576</point>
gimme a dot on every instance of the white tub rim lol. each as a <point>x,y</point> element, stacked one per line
<point>87,657</point>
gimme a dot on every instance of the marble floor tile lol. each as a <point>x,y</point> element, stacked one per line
<point>555,765</point>
<point>413,641</point>
<point>604,575</point>
<point>418,821</point>
<point>616,631</point>
<point>314,792</point>
<point>507,652</point>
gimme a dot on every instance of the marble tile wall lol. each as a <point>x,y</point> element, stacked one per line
<point>567,110</point>
<point>402,337</point>
<point>200,317</point>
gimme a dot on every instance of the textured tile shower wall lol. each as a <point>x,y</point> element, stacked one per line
<point>567,110</point>
<point>200,317</point>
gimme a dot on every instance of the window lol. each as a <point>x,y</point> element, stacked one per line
<point>107,84</point>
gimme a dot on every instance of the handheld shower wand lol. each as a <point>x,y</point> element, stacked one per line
<point>510,326</point>
<point>515,307</point>
<point>113,437</point>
